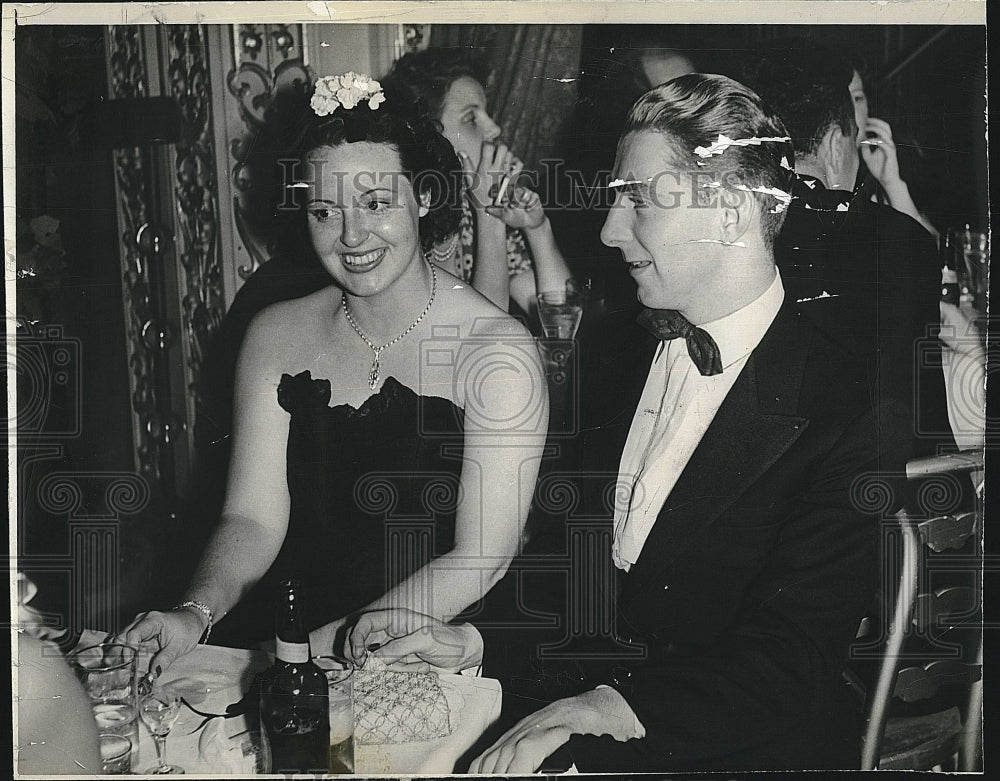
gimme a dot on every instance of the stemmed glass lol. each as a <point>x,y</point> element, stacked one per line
<point>159,710</point>
<point>559,312</point>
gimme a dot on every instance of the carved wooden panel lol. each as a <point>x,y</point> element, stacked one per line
<point>168,212</point>
<point>127,76</point>
<point>197,213</point>
<point>268,59</point>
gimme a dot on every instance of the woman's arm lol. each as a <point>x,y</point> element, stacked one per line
<point>551,271</point>
<point>524,210</point>
<point>879,153</point>
<point>255,514</point>
<point>489,272</point>
<point>506,420</point>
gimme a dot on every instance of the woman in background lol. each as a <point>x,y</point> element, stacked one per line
<point>505,252</point>
<point>878,153</point>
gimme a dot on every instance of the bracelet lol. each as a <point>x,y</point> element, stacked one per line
<point>205,610</point>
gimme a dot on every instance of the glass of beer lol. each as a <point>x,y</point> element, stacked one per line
<point>340,686</point>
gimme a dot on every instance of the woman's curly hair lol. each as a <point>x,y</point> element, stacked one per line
<point>419,81</point>
<point>293,130</point>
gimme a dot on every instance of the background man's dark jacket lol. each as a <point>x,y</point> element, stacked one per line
<point>869,277</point>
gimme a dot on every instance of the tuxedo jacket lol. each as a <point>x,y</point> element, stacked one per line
<point>729,635</point>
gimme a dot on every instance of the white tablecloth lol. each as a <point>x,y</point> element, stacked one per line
<point>212,677</point>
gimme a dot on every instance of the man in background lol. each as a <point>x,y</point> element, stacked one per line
<point>864,273</point>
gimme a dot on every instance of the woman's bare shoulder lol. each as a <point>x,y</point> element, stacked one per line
<point>473,313</point>
<point>280,332</point>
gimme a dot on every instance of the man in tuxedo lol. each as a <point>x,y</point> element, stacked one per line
<point>740,549</point>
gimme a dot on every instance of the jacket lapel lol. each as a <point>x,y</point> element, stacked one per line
<point>753,428</point>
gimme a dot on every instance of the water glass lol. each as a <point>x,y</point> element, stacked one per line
<point>108,674</point>
<point>340,688</point>
<point>116,755</point>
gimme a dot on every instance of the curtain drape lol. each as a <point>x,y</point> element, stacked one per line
<point>532,75</point>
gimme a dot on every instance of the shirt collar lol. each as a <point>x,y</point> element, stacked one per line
<point>738,333</point>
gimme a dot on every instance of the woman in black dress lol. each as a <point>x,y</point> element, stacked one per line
<point>388,427</point>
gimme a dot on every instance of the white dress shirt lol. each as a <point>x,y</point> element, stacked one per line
<point>677,406</point>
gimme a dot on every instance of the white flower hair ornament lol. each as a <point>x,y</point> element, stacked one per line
<point>347,90</point>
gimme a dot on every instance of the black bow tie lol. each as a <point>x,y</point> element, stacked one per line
<point>667,324</point>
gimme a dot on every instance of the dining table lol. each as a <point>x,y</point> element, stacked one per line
<point>211,678</point>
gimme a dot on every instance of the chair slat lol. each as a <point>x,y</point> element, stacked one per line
<point>962,461</point>
<point>934,610</point>
<point>921,683</point>
<point>947,532</point>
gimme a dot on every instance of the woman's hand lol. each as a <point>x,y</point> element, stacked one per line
<point>171,635</point>
<point>323,641</point>
<point>482,182</point>
<point>879,152</point>
<point>520,209</point>
<point>409,640</point>
<point>524,747</point>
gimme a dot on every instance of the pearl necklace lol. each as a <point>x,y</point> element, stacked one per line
<point>373,375</point>
<point>441,255</point>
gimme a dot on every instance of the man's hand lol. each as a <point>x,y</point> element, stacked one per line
<point>409,640</point>
<point>524,747</point>
<point>879,152</point>
<point>171,635</point>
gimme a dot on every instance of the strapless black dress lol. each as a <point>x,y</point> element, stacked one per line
<point>373,497</point>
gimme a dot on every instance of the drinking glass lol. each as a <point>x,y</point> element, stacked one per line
<point>974,273</point>
<point>160,710</point>
<point>340,688</point>
<point>108,674</point>
<point>116,754</point>
<point>560,312</point>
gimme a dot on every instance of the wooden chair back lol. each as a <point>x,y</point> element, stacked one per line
<point>917,614</point>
